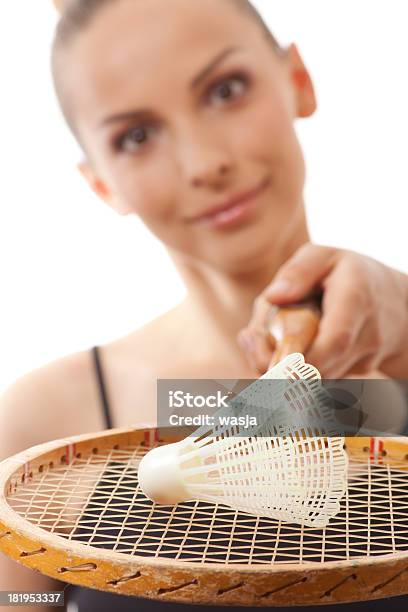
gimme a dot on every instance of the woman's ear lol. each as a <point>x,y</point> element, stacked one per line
<point>100,188</point>
<point>303,86</point>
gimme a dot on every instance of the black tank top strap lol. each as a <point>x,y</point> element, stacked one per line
<point>97,361</point>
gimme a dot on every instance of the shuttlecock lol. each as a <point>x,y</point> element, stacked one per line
<point>286,467</point>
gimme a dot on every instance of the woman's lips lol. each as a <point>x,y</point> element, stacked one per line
<point>233,211</point>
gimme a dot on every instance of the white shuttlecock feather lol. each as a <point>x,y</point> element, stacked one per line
<point>280,472</point>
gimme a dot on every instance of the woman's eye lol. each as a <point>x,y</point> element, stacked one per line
<point>228,89</point>
<point>135,138</point>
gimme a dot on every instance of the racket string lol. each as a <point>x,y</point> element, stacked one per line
<point>96,501</point>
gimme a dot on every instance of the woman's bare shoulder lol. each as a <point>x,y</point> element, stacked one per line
<point>52,401</point>
<point>62,398</point>
<point>132,364</point>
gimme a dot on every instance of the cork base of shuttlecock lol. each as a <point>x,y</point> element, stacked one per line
<point>159,475</point>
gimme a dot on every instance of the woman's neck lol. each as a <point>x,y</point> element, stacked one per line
<point>219,304</point>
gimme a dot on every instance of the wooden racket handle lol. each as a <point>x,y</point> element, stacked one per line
<point>294,327</point>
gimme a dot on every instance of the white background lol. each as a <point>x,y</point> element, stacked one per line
<point>74,274</point>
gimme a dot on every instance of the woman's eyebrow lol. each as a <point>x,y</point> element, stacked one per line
<point>125,116</point>
<point>141,114</point>
<point>212,65</point>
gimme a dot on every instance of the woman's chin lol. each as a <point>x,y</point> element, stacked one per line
<point>243,256</point>
<point>245,243</point>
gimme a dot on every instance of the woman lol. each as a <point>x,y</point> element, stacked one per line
<point>185,112</point>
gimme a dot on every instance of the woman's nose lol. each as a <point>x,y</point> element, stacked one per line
<point>213,174</point>
<point>206,162</point>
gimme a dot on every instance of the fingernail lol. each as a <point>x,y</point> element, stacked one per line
<point>280,286</point>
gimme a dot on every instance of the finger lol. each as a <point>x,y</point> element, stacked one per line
<point>246,343</point>
<point>256,338</point>
<point>340,369</point>
<point>364,366</point>
<point>363,358</point>
<point>302,274</point>
<point>257,347</point>
<point>336,346</point>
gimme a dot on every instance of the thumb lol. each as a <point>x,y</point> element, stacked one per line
<point>302,274</point>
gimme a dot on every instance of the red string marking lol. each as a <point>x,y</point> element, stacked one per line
<point>151,436</point>
<point>70,452</point>
<point>376,450</point>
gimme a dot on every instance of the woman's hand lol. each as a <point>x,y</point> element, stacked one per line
<point>364,320</point>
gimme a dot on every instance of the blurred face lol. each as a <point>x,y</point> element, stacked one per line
<point>186,114</point>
